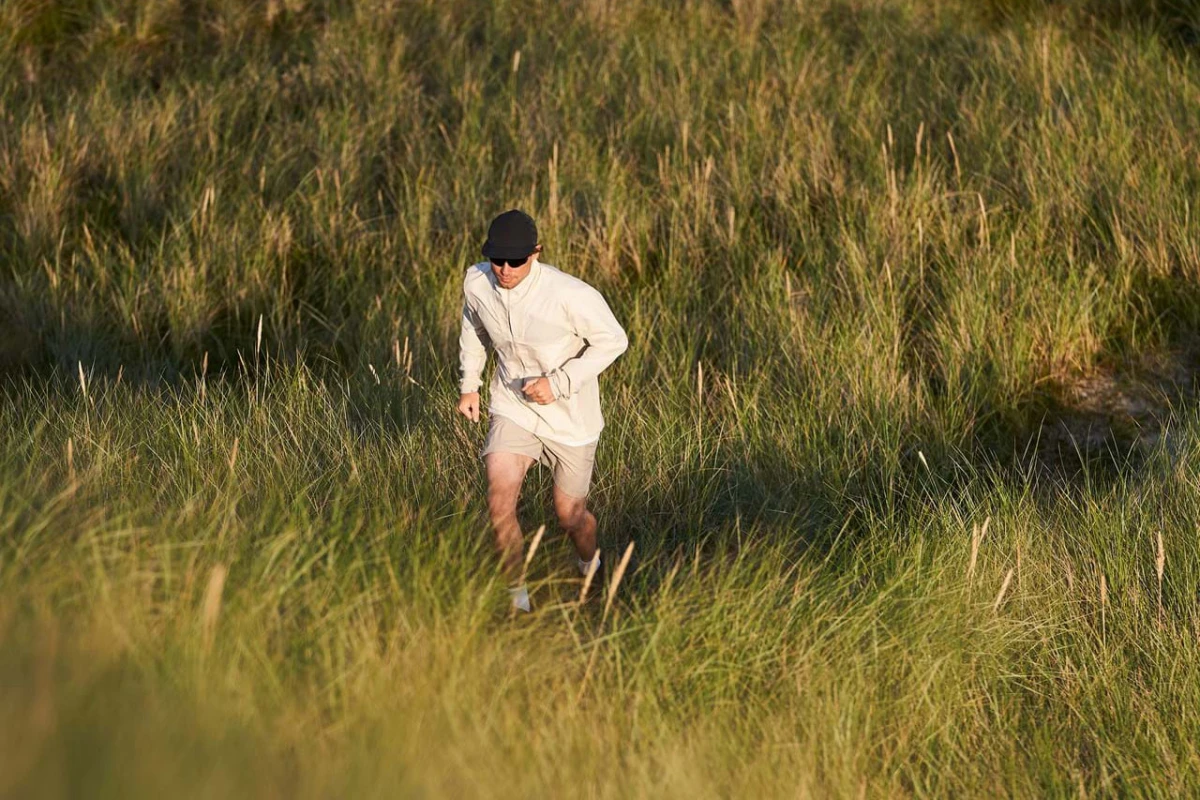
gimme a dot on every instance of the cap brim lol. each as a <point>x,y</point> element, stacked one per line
<point>491,250</point>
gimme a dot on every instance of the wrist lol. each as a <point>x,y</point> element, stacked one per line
<point>559,384</point>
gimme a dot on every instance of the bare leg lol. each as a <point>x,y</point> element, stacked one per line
<point>577,521</point>
<point>505,473</point>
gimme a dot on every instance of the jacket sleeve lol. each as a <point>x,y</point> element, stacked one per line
<point>592,321</point>
<point>473,342</point>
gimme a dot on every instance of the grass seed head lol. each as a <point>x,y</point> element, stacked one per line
<point>211,609</point>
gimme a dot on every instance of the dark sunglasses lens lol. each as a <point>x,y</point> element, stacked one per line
<point>509,262</point>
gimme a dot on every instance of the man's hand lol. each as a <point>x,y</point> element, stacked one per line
<point>538,390</point>
<point>468,406</point>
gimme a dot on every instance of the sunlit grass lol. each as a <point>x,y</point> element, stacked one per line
<point>243,548</point>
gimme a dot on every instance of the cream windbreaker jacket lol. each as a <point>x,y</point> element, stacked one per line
<point>550,324</point>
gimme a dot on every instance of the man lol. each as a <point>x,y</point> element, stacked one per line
<point>553,335</point>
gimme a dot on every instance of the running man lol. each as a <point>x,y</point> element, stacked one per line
<point>553,335</point>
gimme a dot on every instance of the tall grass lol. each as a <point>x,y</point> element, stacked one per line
<point>858,249</point>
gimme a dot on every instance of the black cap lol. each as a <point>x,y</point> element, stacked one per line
<point>513,234</point>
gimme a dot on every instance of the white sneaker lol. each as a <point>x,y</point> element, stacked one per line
<point>520,597</point>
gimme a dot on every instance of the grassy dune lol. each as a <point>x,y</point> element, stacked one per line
<point>863,250</point>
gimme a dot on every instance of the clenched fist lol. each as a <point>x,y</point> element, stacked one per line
<point>468,406</point>
<point>538,390</point>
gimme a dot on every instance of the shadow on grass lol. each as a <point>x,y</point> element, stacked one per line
<point>1175,22</point>
<point>38,338</point>
<point>1084,439</point>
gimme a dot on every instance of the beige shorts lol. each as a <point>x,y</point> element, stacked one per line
<point>571,464</point>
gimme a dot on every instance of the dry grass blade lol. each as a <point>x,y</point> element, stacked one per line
<point>1003,589</point>
<point>533,546</point>
<point>1103,606</point>
<point>212,603</point>
<point>1160,566</point>
<point>617,576</point>
<point>591,573</point>
<point>974,553</point>
<point>977,534</point>
<point>1160,559</point>
<point>83,383</point>
<point>612,593</point>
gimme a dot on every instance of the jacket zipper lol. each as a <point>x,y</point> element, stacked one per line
<point>512,336</point>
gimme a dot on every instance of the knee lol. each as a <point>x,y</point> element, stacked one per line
<point>571,512</point>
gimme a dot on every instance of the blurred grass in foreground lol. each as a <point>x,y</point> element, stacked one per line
<point>856,246</point>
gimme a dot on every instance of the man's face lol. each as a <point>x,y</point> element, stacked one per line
<point>507,275</point>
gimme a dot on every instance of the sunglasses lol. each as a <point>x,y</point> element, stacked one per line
<point>509,262</point>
